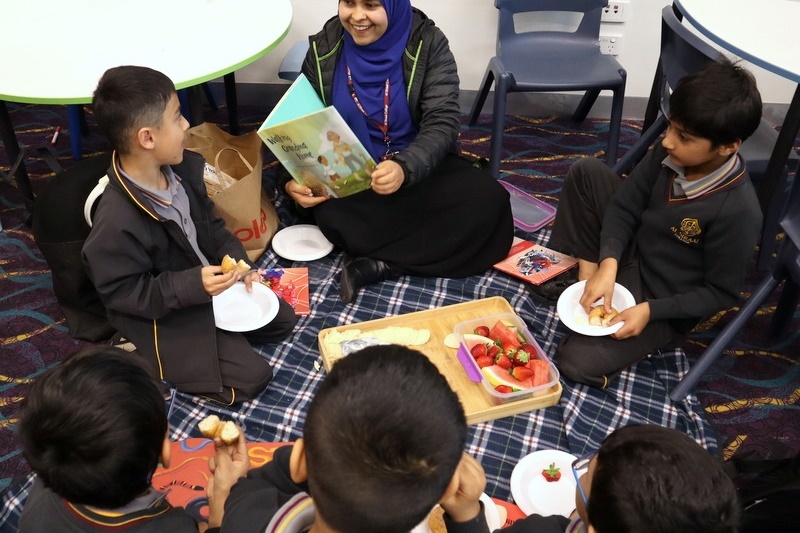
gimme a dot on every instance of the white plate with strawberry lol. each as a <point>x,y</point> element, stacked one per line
<point>542,483</point>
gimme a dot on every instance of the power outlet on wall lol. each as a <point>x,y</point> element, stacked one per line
<point>615,11</point>
<point>610,44</point>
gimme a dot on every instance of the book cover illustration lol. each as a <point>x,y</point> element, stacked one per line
<point>315,144</point>
<point>534,263</point>
<point>290,284</point>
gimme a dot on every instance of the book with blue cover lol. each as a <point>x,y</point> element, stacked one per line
<point>315,144</point>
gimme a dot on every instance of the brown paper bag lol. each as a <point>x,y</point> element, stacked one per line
<point>245,207</point>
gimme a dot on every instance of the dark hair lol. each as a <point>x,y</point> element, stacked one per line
<point>658,480</point>
<point>383,436</point>
<point>719,102</point>
<point>92,428</point>
<point>128,98</point>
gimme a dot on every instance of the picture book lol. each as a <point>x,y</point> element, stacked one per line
<point>315,144</point>
<point>291,284</point>
<point>534,263</point>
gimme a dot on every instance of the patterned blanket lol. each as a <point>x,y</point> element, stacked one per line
<point>577,424</point>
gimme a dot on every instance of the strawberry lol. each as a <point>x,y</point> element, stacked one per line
<point>521,357</point>
<point>484,360</point>
<point>493,351</point>
<point>521,372</point>
<point>552,473</point>
<point>503,361</point>
<point>483,331</point>
<point>504,389</point>
<point>479,350</point>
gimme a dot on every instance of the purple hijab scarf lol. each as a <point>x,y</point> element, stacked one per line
<point>371,65</point>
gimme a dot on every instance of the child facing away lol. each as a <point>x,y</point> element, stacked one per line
<point>93,430</point>
<point>384,442</point>
<point>679,232</point>
<point>156,245</point>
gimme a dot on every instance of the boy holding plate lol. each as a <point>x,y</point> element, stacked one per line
<point>679,232</point>
<point>156,245</point>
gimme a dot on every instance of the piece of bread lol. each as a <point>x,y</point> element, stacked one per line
<point>599,317</point>
<point>229,263</point>
<point>436,520</point>
<point>212,427</point>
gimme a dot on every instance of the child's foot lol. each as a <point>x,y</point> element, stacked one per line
<point>549,291</point>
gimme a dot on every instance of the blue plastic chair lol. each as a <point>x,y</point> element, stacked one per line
<point>292,63</point>
<point>546,61</point>
<point>683,52</point>
<point>786,268</point>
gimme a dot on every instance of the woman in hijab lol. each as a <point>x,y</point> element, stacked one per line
<point>388,70</point>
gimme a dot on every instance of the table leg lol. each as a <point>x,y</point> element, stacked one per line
<point>13,152</point>
<point>231,101</point>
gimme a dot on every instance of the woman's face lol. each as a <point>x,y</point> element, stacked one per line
<point>364,20</point>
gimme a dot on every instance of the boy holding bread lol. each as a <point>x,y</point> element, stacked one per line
<point>678,232</point>
<point>94,429</point>
<point>156,247</point>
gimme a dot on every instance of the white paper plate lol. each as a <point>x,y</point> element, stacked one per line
<point>302,242</point>
<point>489,510</point>
<point>533,494</point>
<point>239,310</point>
<point>575,318</point>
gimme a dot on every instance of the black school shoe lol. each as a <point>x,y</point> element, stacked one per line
<point>549,291</point>
<point>358,272</point>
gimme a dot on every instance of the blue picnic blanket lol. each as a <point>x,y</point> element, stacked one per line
<point>578,424</point>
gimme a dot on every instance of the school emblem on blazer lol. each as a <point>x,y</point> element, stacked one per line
<point>688,231</point>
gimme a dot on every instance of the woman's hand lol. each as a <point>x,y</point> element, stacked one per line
<point>464,504</point>
<point>387,177</point>
<point>303,195</point>
<point>214,281</point>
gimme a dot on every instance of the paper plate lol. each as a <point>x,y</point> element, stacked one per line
<point>575,318</point>
<point>302,242</point>
<point>533,494</point>
<point>239,310</point>
<point>489,510</point>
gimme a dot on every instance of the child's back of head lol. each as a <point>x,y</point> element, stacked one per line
<point>719,102</point>
<point>128,98</point>
<point>93,427</point>
<point>658,480</point>
<point>383,437</point>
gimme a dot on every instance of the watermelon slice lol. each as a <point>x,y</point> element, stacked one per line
<point>504,334</point>
<point>496,375</point>
<point>541,371</point>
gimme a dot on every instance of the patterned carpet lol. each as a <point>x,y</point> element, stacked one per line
<point>749,398</point>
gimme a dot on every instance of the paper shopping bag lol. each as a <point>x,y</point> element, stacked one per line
<point>238,196</point>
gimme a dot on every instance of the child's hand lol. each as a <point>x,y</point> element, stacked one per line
<point>464,504</point>
<point>227,465</point>
<point>600,285</point>
<point>636,318</point>
<point>250,278</point>
<point>214,281</point>
<point>303,195</point>
<point>387,177</point>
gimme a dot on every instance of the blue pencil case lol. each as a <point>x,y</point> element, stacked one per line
<point>530,214</point>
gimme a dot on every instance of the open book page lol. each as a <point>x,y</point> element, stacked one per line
<point>315,144</point>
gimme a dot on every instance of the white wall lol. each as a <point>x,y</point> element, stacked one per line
<point>470,25</point>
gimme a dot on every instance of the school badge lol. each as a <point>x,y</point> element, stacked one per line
<point>688,231</point>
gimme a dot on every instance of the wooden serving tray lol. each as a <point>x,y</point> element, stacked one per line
<point>479,406</point>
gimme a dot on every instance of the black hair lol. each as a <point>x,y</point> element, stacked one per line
<point>719,102</point>
<point>128,98</point>
<point>383,437</point>
<point>658,480</point>
<point>93,427</point>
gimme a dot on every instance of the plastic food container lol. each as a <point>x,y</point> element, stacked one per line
<point>530,214</point>
<point>472,369</point>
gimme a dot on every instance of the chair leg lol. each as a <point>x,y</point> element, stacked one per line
<point>784,313</point>
<point>775,203</point>
<point>480,98</point>
<point>614,125</point>
<point>637,151</point>
<point>723,338</point>
<point>212,102</point>
<point>585,105</point>
<point>498,125</point>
